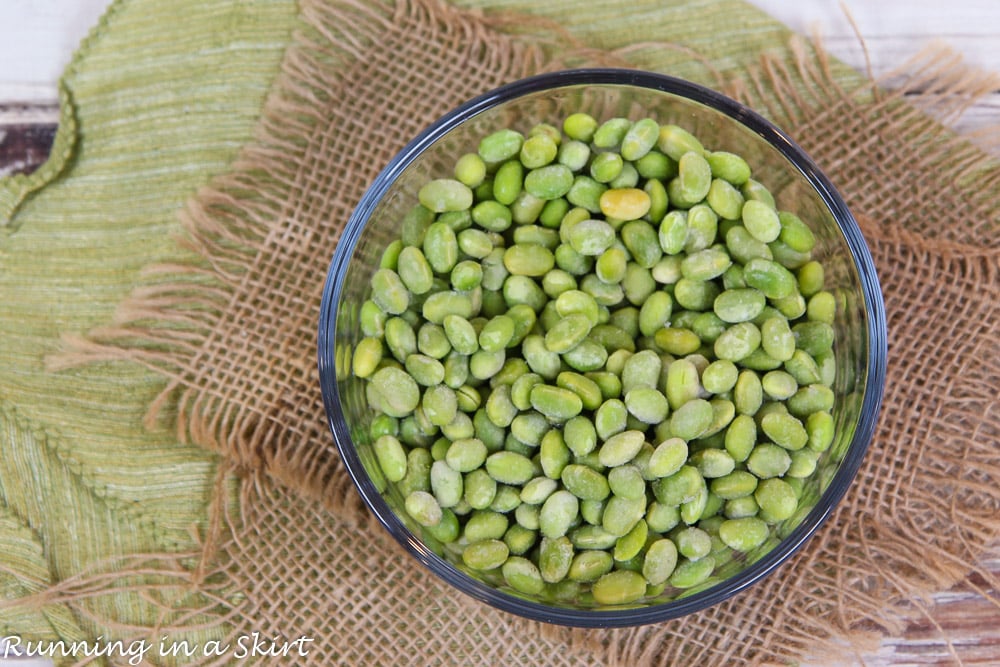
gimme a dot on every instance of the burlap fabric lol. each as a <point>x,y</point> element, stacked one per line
<point>234,332</point>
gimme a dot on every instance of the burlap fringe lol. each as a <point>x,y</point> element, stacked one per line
<point>161,326</point>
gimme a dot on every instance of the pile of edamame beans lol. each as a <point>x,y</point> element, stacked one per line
<point>600,360</point>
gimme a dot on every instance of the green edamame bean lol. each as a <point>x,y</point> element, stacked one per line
<point>771,278</point>
<point>803,463</point>
<point>695,295</point>
<point>496,334</point>
<point>660,561</point>
<point>811,277</point>
<point>529,427</point>
<point>466,455</point>
<point>398,393</point>
<point>777,500</point>
<point>737,342</point>
<point>690,573</point>
<point>584,482</point>
<point>814,338</point>
<point>427,371</point>
<point>729,167</point>
<point>691,419</point>
<point>621,448</point>
<point>485,525</point>
<point>619,587</point>
<point>676,340</point>
<point>779,385</point>
<point>761,221</point>
<point>647,405</point>
<point>414,270</point>
<point>446,484</point>
<point>391,457</point>
<point>820,427</point>
<point>555,403</point>
<point>795,233</point>
<point>440,404</point>
<point>767,461</point>
<point>675,141</point>
<point>480,489</point>
<point>539,150</point>
<point>694,176</point>
<point>605,167</point>
<point>719,376</point>
<point>574,154</point>
<point>642,242</point>
<point>470,170</point>
<point>639,139</point>
<point>744,534</point>
<point>811,398</point>
<point>445,194</point>
<point>622,514</point>
<point>557,514</point>
<point>754,190</point>
<point>673,232</point>
<point>484,364</point>
<point>713,463</point>
<point>611,132</point>
<point>668,457</point>
<point>631,543</point>
<point>555,558</point>
<point>589,566</point>
<point>367,356</point>
<point>522,575</point>
<point>549,182</point>
<point>510,467</point>
<point>388,292</point>
<point>500,145</point>
<point>591,237</point>
<point>423,507</point>
<point>627,481</point>
<point>580,127</point>
<point>693,543</point>
<point>681,487</point>
<point>523,290</point>
<point>508,182</point>
<point>705,264</point>
<point>485,555</point>
<point>735,484</point>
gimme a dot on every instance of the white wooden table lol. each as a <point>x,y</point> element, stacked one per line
<point>37,38</point>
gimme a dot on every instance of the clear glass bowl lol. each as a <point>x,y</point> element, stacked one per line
<point>721,124</point>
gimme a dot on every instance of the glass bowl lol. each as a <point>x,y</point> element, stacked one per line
<point>722,125</point>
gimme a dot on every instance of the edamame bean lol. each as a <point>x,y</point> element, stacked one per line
<point>423,507</point>
<point>744,534</point>
<point>485,555</point>
<point>767,461</point>
<point>777,500</point>
<point>691,419</point>
<point>558,513</point>
<point>621,448</point>
<point>391,457</point>
<point>445,194</point>
<point>500,145</point>
<point>668,457</point>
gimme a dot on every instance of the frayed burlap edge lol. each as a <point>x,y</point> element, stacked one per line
<point>163,324</point>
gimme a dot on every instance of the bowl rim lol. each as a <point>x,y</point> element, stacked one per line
<point>873,308</point>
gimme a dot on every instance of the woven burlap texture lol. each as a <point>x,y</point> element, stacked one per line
<point>239,352</point>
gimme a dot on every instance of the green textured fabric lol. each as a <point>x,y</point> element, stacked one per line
<point>159,98</point>
<point>161,95</point>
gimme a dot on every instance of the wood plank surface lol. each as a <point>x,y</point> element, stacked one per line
<point>37,38</point>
